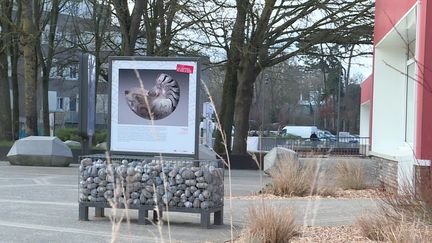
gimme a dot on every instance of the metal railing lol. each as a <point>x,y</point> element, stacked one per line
<point>333,146</point>
<point>343,146</point>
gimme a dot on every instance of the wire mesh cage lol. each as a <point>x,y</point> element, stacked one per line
<point>134,181</point>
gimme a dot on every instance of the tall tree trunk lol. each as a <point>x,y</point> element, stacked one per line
<point>15,93</point>
<point>15,54</point>
<point>5,108</point>
<point>28,43</point>
<point>246,78</point>
<point>5,42</point>
<point>226,114</point>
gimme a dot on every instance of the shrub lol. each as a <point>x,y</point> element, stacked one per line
<point>100,137</point>
<point>350,175</point>
<point>269,224</point>
<point>68,134</point>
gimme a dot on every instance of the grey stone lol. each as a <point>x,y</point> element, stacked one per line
<point>279,155</point>
<point>197,193</point>
<point>72,143</point>
<point>188,192</point>
<point>108,194</point>
<point>167,197</point>
<point>135,195</point>
<point>86,162</point>
<point>101,189</point>
<point>40,151</point>
<point>173,173</point>
<point>102,145</point>
<point>146,194</point>
<point>193,189</point>
<point>206,204</point>
<point>102,173</point>
<point>206,194</point>
<point>196,203</point>
<point>188,174</point>
<point>199,173</point>
<point>130,171</point>
<point>202,185</point>
<point>190,182</point>
<point>145,177</point>
<point>188,204</point>
<point>182,187</point>
<point>178,193</point>
<point>206,153</point>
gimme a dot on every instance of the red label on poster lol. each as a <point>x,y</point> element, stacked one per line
<point>184,68</point>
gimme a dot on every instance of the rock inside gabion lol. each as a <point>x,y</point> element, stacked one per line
<point>151,182</point>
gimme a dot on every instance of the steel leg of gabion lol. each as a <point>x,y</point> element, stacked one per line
<point>218,217</point>
<point>83,213</point>
<point>205,219</point>
<point>142,216</point>
<point>99,212</point>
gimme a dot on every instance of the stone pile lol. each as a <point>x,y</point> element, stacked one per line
<point>151,182</point>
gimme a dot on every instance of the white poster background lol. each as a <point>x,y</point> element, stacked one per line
<point>152,138</point>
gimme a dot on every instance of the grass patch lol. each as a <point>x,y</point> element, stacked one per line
<point>269,224</point>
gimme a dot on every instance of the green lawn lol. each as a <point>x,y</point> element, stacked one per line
<point>6,143</point>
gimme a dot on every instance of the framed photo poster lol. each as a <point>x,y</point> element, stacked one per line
<point>154,105</point>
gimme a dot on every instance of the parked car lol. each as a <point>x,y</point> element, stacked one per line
<point>325,135</point>
<point>354,139</point>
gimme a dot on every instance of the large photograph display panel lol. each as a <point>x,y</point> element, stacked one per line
<point>133,82</point>
<point>153,105</point>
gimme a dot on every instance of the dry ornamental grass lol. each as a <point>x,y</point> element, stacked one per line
<point>402,217</point>
<point>350,175</point>
<point>269,224</point>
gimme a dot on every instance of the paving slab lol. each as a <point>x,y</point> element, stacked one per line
<point>40,204</point>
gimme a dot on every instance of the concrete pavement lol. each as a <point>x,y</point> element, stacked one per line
<point>40,204</point>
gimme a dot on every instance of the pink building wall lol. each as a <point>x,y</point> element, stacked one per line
<point>424,94</point>
<point>387,14</point>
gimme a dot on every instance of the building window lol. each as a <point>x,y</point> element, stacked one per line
<point>73,104</point>
<point>73,71</point>
<point>63,103</point>
<point>410,102</point>
<point>60,103</point>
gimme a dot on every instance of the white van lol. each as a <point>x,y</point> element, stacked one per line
<point>301,131</point>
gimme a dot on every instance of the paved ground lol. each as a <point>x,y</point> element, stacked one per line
<point>39,204</point>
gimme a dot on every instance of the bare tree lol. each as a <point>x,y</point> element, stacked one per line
<point>46,60</point>
<point>129,23</point>
<point>284,29</point>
